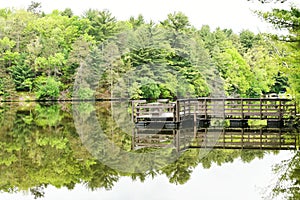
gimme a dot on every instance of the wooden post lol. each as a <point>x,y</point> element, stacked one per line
<point>224,141</point>
<point>242,104</point>
<point>280,142</point>
<point>189,107</point>
<point>195,114</point>
<point>260,134</point>
<point>133,139</point>
<point>195,130</point>
<point>260,109</point>
<point>177,111</point>
<point>184,107</point>
<point>224,110</point>
<point>174,136</point>
<point>205,138</point>
<point>280,111</point>
<point>205,108</point>
<point>174,112</point>
<point>242,138</point>
<point>132,111</point>
<point>178,140</point>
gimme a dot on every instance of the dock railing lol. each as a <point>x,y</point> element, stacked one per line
<point>237,108</point>
<point>214,108</point>
<point>158,112</point>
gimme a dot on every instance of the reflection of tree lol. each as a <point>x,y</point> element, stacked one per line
<point>34,154</point>
<point>180,171</point>
<point>288,183</point>
<point>39,146</point>
<point>102,177</point>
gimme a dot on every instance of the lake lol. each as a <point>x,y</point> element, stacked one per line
<point>92,150</point>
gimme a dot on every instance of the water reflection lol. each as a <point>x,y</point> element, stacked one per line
<point>40,146</point>
<point>217,138</point>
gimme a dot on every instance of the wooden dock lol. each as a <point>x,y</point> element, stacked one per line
<point>217,138</point>
<point>202,110</point>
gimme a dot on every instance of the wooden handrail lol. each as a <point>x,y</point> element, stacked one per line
<point>206,108</point>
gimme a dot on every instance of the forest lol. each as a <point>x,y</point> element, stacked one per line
<point>60,56</point>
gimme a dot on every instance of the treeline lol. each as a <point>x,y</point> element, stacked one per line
<point>43,55</point>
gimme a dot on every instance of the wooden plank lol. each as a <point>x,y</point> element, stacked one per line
<point>250,143</point>
<point>154,106</point>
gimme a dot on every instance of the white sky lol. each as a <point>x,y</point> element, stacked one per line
<point>234,14</point>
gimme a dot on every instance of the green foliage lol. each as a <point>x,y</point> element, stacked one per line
<point>177,22</point>
<point>85,93</point>
<point>102,24</point>
<point>47,88</point>
<point>149,89</point>
<point>7,87</point>
<point>137,22</point>
<point>67,12</point>
<point>179,59</point>
<point>289,20</point>
<point>289,178</point>
<point>135,91</point>
<point>23,77</point>
<point>35,7</point>
<point>48,115</point>
<point>247,39</point>
<point>236,72</point>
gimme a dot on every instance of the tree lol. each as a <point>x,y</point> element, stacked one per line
<point>7,86</point>
<point>103,25</point>
<point>137,22</point>
<point>247,39</point>
<point>67,12</point>
<point>265,65</point>
<point>47,88</point>
<point>177,21</point>
<point>235,71</point>
<point>35,7</point>
<point>289,178</point>
<point>23,77</point>
<point>77,56</point>
<point>288,20</point>
<point>149,88</point>
<point>16,30</point>
<point>8,56</point>
<point>5,12</point>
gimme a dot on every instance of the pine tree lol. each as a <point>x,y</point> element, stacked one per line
<point>23,77</point>
<point>7,86</point>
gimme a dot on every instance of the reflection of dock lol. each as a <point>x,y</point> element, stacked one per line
<point>216,137</point>
<point>202,110</point>
<point>241,138</point>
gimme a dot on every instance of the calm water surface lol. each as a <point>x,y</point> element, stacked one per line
<point>85,151</point>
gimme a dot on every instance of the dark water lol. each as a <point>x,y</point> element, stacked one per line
<point>87,151</point>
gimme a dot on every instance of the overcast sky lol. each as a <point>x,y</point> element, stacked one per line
<point>234,14</point>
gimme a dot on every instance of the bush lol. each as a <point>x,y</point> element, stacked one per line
<point>47,88</point>
<point>85,93</point>
<point>150,89</point>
